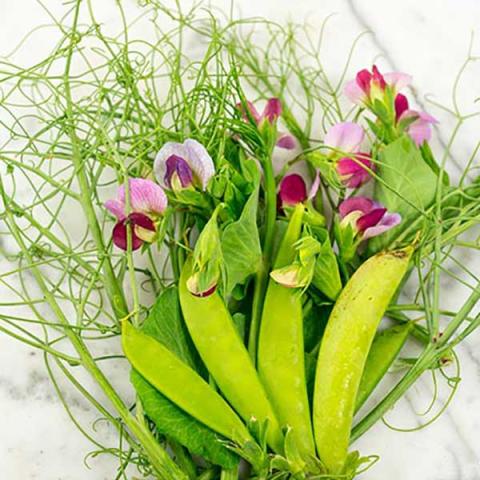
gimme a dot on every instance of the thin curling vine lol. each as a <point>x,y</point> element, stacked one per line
<point>237,232</point>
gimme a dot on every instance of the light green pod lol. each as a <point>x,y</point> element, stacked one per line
<point>344,349</point>
<point>384,350</point>
<point>182,385</point>
<point>226,358</point>
<point>281,356</point>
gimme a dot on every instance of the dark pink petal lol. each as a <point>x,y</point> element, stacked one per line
<point>119,233</point>
<point>116,207</point>
<point>286,141</point>
<point>401,105</point>
<point>364,78</point>
<point>354,172</point>
<point>292,190</point>
<point>370,219</point>
<point>378,78</point>
<point>177,166</point>
<point>388,221</point>
<point>272,110</point>
<point>352,204</point>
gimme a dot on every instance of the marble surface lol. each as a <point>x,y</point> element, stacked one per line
<point>429,39</point>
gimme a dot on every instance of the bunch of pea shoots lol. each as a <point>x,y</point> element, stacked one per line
<point>231,230</point>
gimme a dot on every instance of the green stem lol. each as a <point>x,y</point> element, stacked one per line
<point>229,474</point>
<point>261,279</point>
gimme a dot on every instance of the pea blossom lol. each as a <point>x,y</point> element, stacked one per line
<point>293,190</point>
<point>347,137</point>
<point>367,217</point>
<point>147,202</point>
<point>370,86</point>
<point>270,114</point>
<point>417,124</point>
<point>179,166</point>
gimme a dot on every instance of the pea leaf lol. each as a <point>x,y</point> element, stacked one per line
<point>175,423</point>
<point>166,325</point>
<point>241,245</point>
<point>408,186</point>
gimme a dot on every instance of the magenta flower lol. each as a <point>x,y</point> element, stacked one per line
<point>419,124</point>
<point>370,86</point>
<point>147,202</point>
<point>271,113</point>
<point>183,165</point>
<point>293,190</point>
<point>347,137</point>
<point>367,217</point>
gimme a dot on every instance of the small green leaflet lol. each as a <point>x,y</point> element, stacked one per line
<point>165,324</point>
<point>241,246</point>
<point>407,185</point>
<point>326,276</point>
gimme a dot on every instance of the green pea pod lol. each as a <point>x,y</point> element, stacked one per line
<point>182,385</point>
<point>281,358</point>
<point>217,340</point>
<point>344,349</point>
<point>383,352</point>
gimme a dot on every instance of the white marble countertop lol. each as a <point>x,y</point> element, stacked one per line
<point>428,39</point>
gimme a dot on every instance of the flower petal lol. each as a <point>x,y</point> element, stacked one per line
<point>272,110</point>
<point>160,163</point>
<point>364,79</point>
<point>397,80</point>
<point>145,196</point>
<point>119,236</point>
<point>354,93</point>
<point>200,161</point>
<point>388,221</point>
<point>401,105</point>
<point>293,190</point>
<point>286,141</point>
<point>370,219</point>
<point>345,136</point>
<point>315,185</point>
<point>178,169</point>
<point>251,110</point>
<point>355,172</point>
<point>352,204</point>
<point>116,207</point>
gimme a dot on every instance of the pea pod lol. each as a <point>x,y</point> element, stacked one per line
<point>344,349</point>
<point>281,358</point>
<point>217,340</point>
<point>383,352</point>
<point>182,385</point>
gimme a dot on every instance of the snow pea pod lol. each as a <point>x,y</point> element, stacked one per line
<point>281,356</point>
<point>181,384</point>
<point>383,352</point>
<point>344,349</point>
<point>217,340</point>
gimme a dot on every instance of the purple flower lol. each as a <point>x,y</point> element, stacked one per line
<point>347,137</point>
<point>419,124</point>
<point>370,86</point>
<point>147,202</point>
<point>183,165</point>
<point>367,217</point>
<point>270,114</point>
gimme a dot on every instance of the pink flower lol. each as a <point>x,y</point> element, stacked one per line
<point>354,169</point>
<point>367,217</point>
<point>293,189</point>
<point>369,86</point>
<point>147,201</point>
<point>419,124</point>
<point>271,113</point>
<point>183,165</point>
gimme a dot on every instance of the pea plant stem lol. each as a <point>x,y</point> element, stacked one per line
<point>261,279</point>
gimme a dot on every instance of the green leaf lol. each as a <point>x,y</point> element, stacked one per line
<point>166,325</point>
<point>407,186</point>
<point>241,246</point>
<point>326,276</point>
<point>173,422</point>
